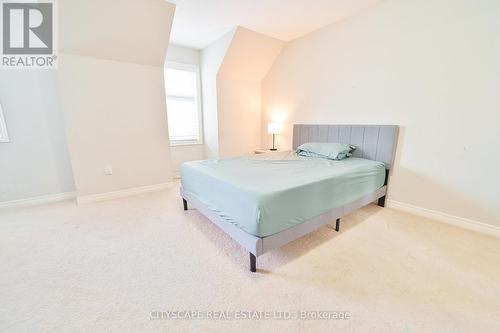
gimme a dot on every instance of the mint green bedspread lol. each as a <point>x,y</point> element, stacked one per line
<point>268,193</point>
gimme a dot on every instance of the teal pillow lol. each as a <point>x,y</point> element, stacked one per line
<point>332,151</point>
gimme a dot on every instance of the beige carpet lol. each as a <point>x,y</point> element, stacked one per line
<point>105,267</point>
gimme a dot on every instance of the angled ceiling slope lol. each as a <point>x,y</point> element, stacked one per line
<point>89,28</point>
<point>198,23</point>
<point>250,55</point>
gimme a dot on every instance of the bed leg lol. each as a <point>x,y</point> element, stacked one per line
<point>253,263</point>
<point>337,225</point>
<point>381,201</point>
<point>185,203</point>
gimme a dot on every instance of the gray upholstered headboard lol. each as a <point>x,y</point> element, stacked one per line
<point>374,142</point>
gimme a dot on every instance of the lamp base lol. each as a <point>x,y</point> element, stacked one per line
<point>273,149</point>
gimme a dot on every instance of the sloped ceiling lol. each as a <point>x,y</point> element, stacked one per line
<point>89,28</point>
<point>250,55</point>
<point>198,23</point>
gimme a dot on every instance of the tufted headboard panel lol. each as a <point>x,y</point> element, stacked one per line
<point>373,142</point>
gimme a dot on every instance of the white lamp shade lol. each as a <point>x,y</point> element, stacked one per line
<point>273,128</point>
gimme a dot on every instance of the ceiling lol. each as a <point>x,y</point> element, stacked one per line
<point>197,23</point>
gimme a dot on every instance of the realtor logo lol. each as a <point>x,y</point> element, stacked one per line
<point>28,34</point>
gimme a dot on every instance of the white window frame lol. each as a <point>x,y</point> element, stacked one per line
<point>196,69</point>
<point>4,135</point>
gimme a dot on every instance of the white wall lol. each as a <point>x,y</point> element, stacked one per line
<point>430,66</point>
<point>115,115</point>
<point>184,153</point>
<point>211,60</point>
<point>239,113</point>
<point>232,70</point>
<point>248,59</point>
<point>112,92</point>
<point>183,55</point>
<point>35,162</point>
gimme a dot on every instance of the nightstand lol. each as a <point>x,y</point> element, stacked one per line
<point>265,151</point>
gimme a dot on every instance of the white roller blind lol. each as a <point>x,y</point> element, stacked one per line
<point>182,105</point>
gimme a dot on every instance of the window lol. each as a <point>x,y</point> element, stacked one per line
<point>4,137</point>
<point>182,84</point>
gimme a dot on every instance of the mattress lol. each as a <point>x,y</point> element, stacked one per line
<point>268,193</point>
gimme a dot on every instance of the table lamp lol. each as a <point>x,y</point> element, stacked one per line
<point>273,128</point>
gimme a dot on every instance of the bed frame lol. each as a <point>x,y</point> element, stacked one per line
<point>373,142</point>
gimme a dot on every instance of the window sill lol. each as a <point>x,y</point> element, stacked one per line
<point>181,144</point>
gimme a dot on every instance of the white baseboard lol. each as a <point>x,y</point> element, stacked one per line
<point>120,194</point>
<point>446,218</point>
<point>44,199</point>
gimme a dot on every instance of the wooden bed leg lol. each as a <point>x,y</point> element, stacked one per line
<point>337,225</point>
<point>253,263</point>
<point>381,201</point>
<point>185,203</point>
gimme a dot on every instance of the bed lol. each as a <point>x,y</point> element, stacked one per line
<point>265,201</point>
